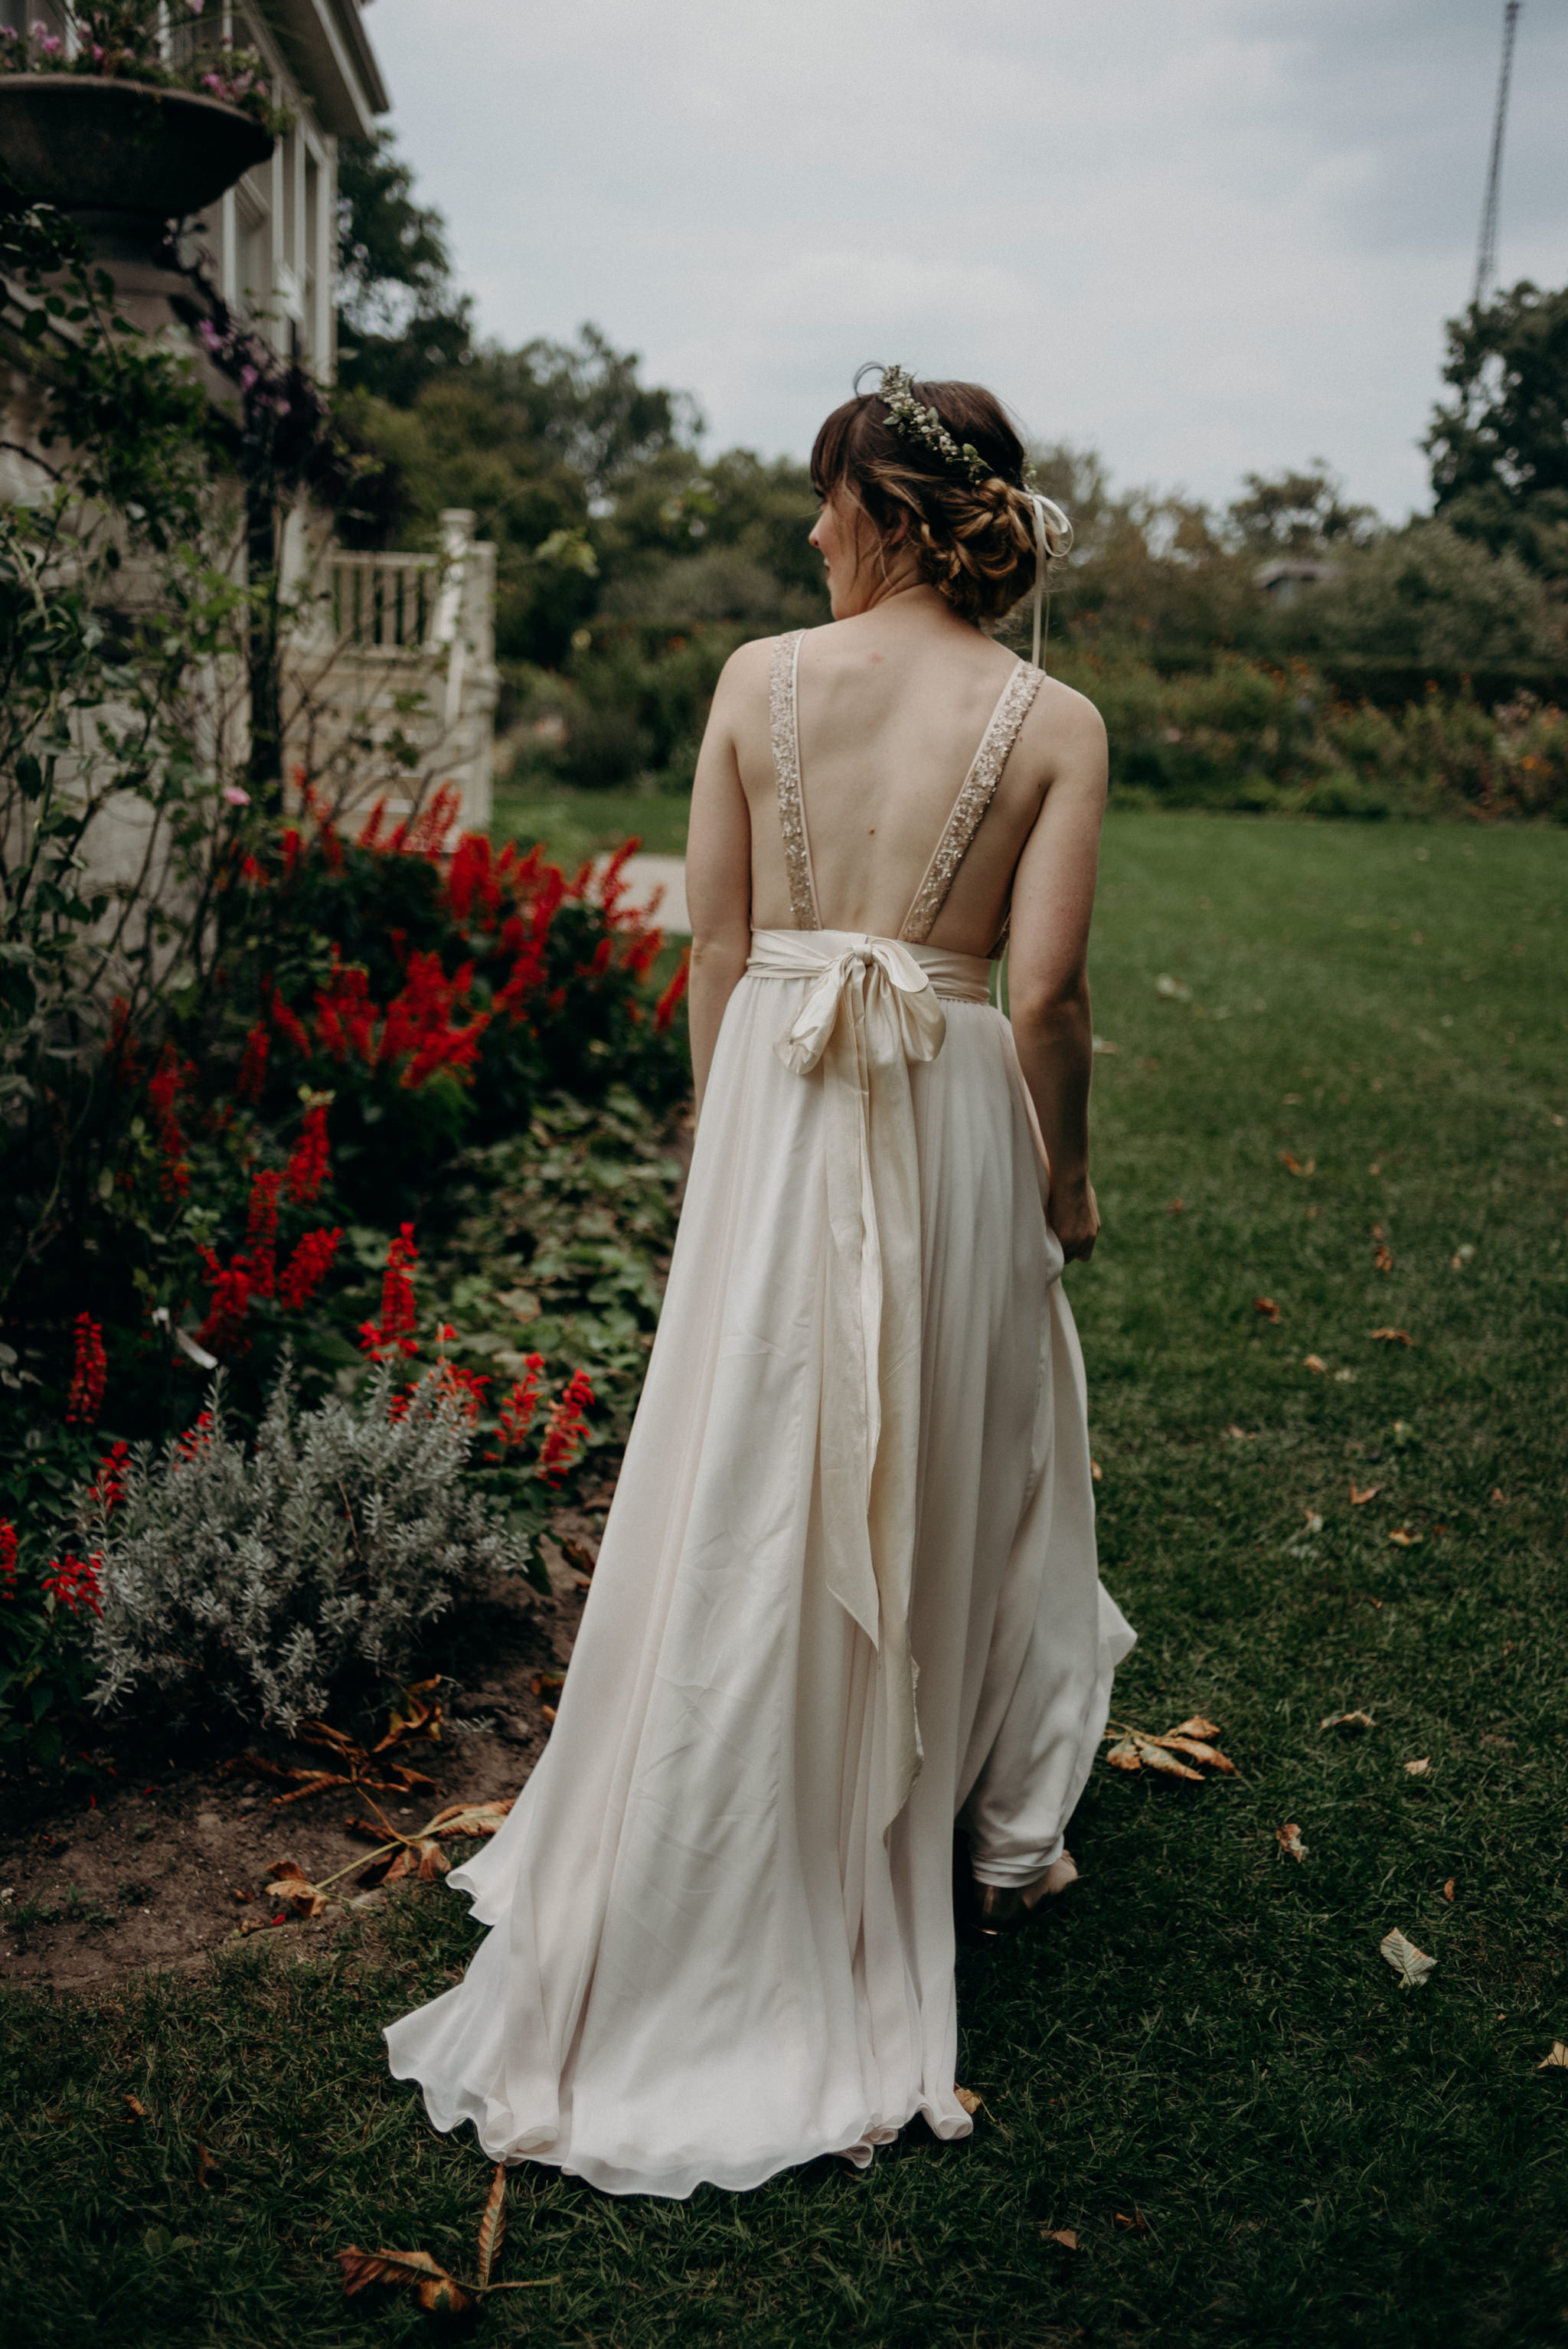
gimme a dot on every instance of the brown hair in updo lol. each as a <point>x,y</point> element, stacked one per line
<point>973,541</point>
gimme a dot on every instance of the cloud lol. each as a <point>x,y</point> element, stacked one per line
<point>1205,238</point>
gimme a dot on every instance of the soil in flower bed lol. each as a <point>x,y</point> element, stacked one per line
<point>158,1854</point>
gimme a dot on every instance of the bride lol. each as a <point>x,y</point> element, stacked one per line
<point>847,1596</point>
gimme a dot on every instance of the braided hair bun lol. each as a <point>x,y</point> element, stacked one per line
<point>972,536</point>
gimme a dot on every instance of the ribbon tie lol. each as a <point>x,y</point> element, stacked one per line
<point>871,1011</point>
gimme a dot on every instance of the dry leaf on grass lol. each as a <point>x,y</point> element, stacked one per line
<point>1314,1520</point>
<point>970,2102</point>
<point>1382,1254</point>
<point>1361,1493</point>
<point>1558,2059</point>
<point>1418,1769</point>
<point>1239,1434</point>
<point>1405,1538</point>
<point>1134,2220</point>
<point>1448,1889</point>
<point>1288,1838</point>
<point>1393,1337</point>
<point>417,1715</point>
<point>1177,1207</point>
<point>1066,2236</point>
<point>1411,1965</point>
<point>1267,1308</point>
<point>1313,1362</point>
<point>1352,1723</point>
<point>286,1881</point>
<point>422,1860</point>
<point>1292,1165</point>
<point>1096,1470</point>
<point>208,2169</point>
<point>492,2224</point>
<point>437,2292</point>
<point>1134,1749</point>
<point>135,2110</point>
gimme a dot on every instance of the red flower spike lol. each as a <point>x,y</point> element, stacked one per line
<point>563,1433</point>
<point>310,1161</point>
<point>169,1081</point>
<point>89,1371</point>
<point>7,1559</point>
<point>107,1487</point>
<point>73,1583</point>
<point>666,1008</point>
<point>307,1267</point>
<point>518,1408</point>
<point>254,1065</point>
<point>261,1232</point>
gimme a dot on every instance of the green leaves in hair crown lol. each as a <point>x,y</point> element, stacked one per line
<point>907,416</point>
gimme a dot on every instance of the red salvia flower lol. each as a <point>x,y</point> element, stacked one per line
<point>613,883</point>
<point>107,1487</point>
<point>261,1232</point>
<point>563,1431</point>
<point>310,1161</point>
<point>288,1024</point>
<point>307,1267</point>
<point>7,1559</point>
<point>169,1081</point>
<point>292,846</point>
<point>600,962</point>
<point>197,1436</point>
<point>467,1386</point>
<point>253,1064</point>
<point>123,1044</point>
<point>370,835</point>
<point>518,1408</point>
<point>88,1371</point>
<point>74,1583</point>
<point>398,1307</point>
<point>666,1008</point>
<point>226,1315</point>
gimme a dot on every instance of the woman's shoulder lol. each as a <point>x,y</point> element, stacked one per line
<point>1062,711</point>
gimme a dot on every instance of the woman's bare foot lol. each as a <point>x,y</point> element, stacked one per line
<point>1004,1907</point>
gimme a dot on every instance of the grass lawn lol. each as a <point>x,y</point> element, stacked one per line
<point>577,824</point>
<point>1204,2039</point>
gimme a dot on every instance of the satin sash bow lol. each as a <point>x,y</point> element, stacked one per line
<point>873,1008</point>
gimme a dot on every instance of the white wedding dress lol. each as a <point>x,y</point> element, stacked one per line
<point>847,1595</point>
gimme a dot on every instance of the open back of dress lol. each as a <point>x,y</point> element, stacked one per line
<point>847,1595</point>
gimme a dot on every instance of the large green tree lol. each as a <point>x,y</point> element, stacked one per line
<point>1499,449</point>
<point>400,321</point>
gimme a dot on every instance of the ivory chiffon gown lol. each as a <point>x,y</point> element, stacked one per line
<point>847,1595</point>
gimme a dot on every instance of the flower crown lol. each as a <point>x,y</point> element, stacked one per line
<point>907,416</point>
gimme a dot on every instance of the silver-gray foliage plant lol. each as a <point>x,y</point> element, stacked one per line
<point>250,1580</point>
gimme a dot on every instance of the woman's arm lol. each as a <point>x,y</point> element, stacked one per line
<point>719,869</point>
<point>1048,973</point>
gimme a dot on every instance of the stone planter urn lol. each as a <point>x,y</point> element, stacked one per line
<point>125,159</point>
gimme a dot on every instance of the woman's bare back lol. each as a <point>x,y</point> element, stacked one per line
<point>890,718</point>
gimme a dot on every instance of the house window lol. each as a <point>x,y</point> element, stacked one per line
<point>252,247</point>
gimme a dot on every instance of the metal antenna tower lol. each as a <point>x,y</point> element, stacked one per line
<point>1486,255</point>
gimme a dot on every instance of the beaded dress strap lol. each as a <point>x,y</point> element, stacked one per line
<point>784,726</point>
<point>979,790</point>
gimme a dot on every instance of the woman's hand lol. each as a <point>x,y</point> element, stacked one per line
<point>1072,1214</point>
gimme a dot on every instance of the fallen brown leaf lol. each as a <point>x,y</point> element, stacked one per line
<point>1135,2221</point>
<point>970,2102</point>
<point>207,2168</point>
<point>577,1554</point>
<point>1267,1308</point>
<point>547,1683</point>
<point>1405,1539</point>
<point>1125,1755</point>
<point>1557,2060</point>
<point>1155,1757</point>
<point>1292,1165</point>
<point>1418,1769</point>
<point>1196,1727</point>
<point>287,1881</point>
<point>1066,2236</point>
<point>492,2224</point>
<point>434,2289</point>
<point>1448,1889</point>
<point>1411,1965</point>
<point>1288,1838</point>
<point>1177,1207</point>
<point>469,1819</point>
<point>1361,1493</point>
<point>1240,1433</point>
<point>1197,1752</point>
<point>135,2110</point>
<point>421,1858</point>
<point>1096,1470</point>
<point>1313,1362</point>
<point>1351,1723</point>
<point>1393,1337</point>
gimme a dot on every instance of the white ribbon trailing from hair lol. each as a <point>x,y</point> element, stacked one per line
<point>1053,535</point>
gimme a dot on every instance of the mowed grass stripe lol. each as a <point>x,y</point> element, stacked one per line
<point>1201,2039</point>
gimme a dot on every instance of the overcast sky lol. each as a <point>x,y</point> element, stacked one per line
<point>1204,236</point>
